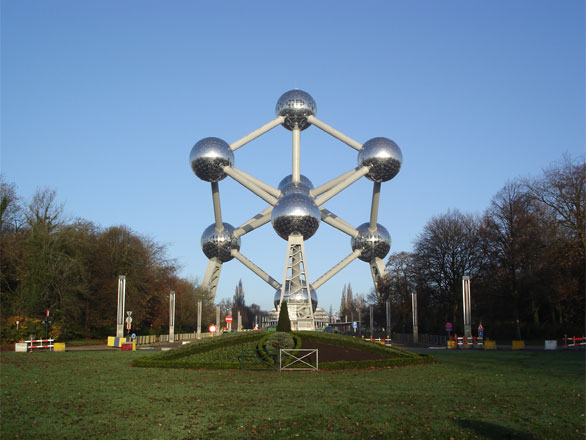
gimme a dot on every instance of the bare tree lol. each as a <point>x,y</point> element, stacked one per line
<point>448,248</point>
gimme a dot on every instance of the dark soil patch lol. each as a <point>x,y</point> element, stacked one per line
<point>333,353</point>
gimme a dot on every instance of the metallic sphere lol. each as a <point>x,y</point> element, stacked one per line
<point>286,185</point>
<point>299,296</point>
<point>295,105</point>
<point>372,244</point>
<point>208,158</point>
<point>383,156</point>
<point>219,244</point>
<point>295,213</point>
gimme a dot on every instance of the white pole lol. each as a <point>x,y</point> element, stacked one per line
<point>415,324</point>
<point>171,316</point>
<point>120,311</point>
<point>466,306</point>
<point>199,319</point>
<point>256,133</point>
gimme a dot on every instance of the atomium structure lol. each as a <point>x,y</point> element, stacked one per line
<point>295,208</point>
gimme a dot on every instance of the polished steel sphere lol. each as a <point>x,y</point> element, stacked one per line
<point>295,105</point>
<point>208,158</point>
<point>383,156</point>
<point>372,244</point>
<point>219,244</point>
<point>295,213</point>
<point>286,185</point>
<point>298,297</point>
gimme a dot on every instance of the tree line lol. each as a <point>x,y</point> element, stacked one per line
<point>71,268</point>
<point>525,255</point>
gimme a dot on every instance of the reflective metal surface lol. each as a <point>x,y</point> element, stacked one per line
<point>384,156</point>
<point>295,213</point>
<point>297,297</point>
<point>219,244</point>
<point>286,185</point>
<point>295,105</point>
<point>208,157</point>
<point>372,244</point>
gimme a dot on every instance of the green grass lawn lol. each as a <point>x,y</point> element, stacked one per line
<point>473,394</point>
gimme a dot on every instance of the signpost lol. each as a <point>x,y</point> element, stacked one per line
<point>128,322</point>
<point>481,331</point>
<point>449,328</point>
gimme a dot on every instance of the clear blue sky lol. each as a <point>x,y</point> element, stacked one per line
<point>103,100</point>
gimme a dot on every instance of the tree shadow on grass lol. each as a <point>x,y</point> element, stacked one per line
<point>495,432</point>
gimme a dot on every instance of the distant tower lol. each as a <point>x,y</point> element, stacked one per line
<point>295,207</point>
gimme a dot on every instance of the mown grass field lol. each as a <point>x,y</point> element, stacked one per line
<point>475,394</point>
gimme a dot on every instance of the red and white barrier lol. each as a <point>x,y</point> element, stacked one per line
<point>379,340</point>
<point>467,341</point>
<point>35,344</point>
<point>573,342</point>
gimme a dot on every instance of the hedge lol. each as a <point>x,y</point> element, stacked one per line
<point>182,357</point>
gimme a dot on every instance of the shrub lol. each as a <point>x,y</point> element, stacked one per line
<point>277,341</point>
<point>284,324</point>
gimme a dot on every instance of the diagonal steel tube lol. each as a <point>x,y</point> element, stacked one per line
<point>264,186</point>
<point>337,268</point>
<point>358,173</point>
<point>257,221</point>
<point>248,184</point>
<point>329,185</point>
<point>256,133</point>
<point>333,220</point>
<point>257,270</point>
<point>335,133</point>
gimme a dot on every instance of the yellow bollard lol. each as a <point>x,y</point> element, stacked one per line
<point>59,346</point>
<point>134,345</point>
<point>518,345</point>
<point>489,345</point>
<point>451,344</point>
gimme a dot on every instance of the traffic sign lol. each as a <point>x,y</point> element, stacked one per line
<point>129,320</point>
<point>212,328</point>
<point>133,336</point>
<point>354,324</point>
<point>449,326</point>
<point>128,326</point>
<point>228,318</point>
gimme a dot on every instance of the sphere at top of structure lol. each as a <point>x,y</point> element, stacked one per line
<point>373,244</point>
<point>295,105</point>
<point>287,184</point>
<point>208,157</point>
<point>295,213</point>
<point>384,158</point>
<point>219,244</point>
<point>297,297</point>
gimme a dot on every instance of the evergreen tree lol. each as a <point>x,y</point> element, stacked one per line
<point>284,324</point>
